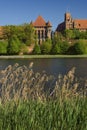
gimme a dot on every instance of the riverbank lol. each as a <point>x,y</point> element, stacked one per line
<point>41,56</point>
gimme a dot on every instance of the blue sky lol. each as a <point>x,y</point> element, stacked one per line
<point>15,12</point>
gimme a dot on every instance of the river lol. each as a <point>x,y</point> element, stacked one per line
<point>52,66</point>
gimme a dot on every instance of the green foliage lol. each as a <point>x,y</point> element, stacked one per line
<point>59,36</point>
<point>64,46</point>
<point>13,45</point>
<point>59,46</point>
<point>46,47</point>
<point>69,34</point>
<point>29,34</point>
<point>3,47</point>
<point>6,32</point>
<point>25,33</point>
<point>56,42</point>
<point>74,34</point>
<point>23,49</point>
<point>83,35</point>
<point>81,47</point>
<point>37,49</point>
<point>56,49</point>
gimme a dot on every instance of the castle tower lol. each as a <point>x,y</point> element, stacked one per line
<point>49,26</point>
<point>42,28</point>
<point>68,21</point>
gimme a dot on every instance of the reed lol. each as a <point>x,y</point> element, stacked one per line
<point>37,101</point>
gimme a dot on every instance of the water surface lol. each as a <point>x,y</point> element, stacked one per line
<point>52,66</point>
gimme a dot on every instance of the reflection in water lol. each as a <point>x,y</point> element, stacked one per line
<point>51,66</point>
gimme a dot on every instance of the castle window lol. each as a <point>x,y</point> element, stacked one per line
<point>79,25</point>
<point>68,20</point>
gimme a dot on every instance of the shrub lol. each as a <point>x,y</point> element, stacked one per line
<point>46,47</point>
<point>37,49</point>
<point>69,34</point>
<point>3,47</point>
<point>81,47</point>
<point>64,46</point>
<point>56,49</point>
<point>13,45</point>
<point>60,47</point>
<point>23,49</point>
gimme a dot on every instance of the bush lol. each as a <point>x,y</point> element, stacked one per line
<point>60,47</point>
<point>69,34</point>
<point>23,49</point>
<point>46,47</point>
<point>81,47</point>
<point>56,42</point>
<point>3,47</point>
<point>37,49</point>
<point>13,45</point>
<point>56,49</point>
<point>64,46</point>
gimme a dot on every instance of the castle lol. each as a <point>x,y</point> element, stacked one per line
<point>42,29</point>
<point>70,23</point>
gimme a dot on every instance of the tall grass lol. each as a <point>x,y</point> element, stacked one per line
<point>52,115</point>
<point>37,101</point>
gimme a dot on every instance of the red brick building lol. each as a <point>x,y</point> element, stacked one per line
<point>42,29</point>
<point>70,23</point>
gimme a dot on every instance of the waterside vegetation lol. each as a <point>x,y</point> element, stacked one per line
<point>31,101</point>
<point>20,40</point>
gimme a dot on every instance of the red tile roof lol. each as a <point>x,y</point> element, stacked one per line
<point>41,22</point>
<point>80,24</point>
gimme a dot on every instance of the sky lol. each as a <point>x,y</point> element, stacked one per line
<point>16,12</point>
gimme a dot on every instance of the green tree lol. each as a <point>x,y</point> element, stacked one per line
<point>37,49</point>
<point>59,45</point>
<point>83,35</point>
<point>81,47</point>
<point>46,47</point>
<point>56,49</point>
<point>3,47</point>
<point>56,45</point>
<point>25,33</point>
<point>6,32</point>
<point>59,36</point>
<point>64,46</point>
<point>23,49</point>
<point>69,34</point>
<point>13,45</point>
<point>76,34</point>
<point>29,34</point>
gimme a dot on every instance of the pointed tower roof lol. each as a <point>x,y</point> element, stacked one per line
<point>39,22</point>
<point>49,24</point>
